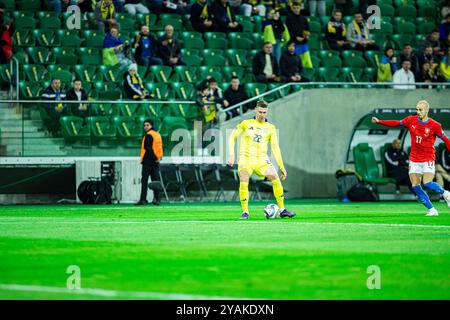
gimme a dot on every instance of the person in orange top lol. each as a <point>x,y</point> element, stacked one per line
<point>151,155</point>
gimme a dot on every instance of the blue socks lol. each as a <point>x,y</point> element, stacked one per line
<point>423,197</point>
<point>435,187</point>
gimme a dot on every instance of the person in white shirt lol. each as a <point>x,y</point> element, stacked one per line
<point>404,78</point>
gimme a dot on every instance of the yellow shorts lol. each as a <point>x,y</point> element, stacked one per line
<point>260,167</point>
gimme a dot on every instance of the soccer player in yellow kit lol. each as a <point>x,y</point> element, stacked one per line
<point>253,157</point>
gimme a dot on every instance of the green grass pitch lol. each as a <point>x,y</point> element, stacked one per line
<point>203,251</point>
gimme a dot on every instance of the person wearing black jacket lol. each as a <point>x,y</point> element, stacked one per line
<point>201,17</point>
<point>335,32</point>
<point>224,19</point>
<point>291,65</point>
<point>265,66</point>
<point>77,93</point>
<point>170,48</point>
<point>297,25</point>
<point>235,94</point>
<point>397,163</point>
<point>146,46</point>
<point>151,155</point>
<point>409,54</point>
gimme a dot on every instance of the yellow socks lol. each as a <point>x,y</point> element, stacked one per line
<point>243,195</point>
<point>278,192</point>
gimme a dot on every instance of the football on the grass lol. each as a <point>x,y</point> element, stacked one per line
<point>271,211</point>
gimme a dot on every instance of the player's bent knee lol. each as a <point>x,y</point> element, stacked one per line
<point>244,176</point>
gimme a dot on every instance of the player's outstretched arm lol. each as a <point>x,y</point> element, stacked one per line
<point>232,142</point>
<point>389,123</point>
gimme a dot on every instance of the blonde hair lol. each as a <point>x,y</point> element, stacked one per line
<point>424,103</point>
<point>262,104</point>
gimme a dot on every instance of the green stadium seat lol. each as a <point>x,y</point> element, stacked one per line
<point>49,22</point>
<point>386,28</point>
<point>176,22</point>
<point>355,61</point>
<point>328,74</point>
<point>30,90</point>
<point>192,60</point>
<point>189,35</point>
<point>46,38</point>
<point>148,20</point>
<point>233,71</point>
<point>183,90</point>
<point>156,110</point>
<point>401,39</point>
<point>111,74</point>
<point>324,20</point>
<point>315,61</point>
<point>366,165</point>
<point>257,23</point>
<point>24,38</point>
<point>352,74</point>
<point>428,11</point>
<point>65,59</point>
<point>25,23</point>
<point>277,94</point>
<point>130,109</point>
<point>28,5</point>
<point>426,27</point>
<point>408,11</point>
<point>214,35</point>
<point>91,59</point>
<point>244,44</point>
<point>102,130</point>
<point>387,10</point>
<point>161,73</point>
<point>309,73</point>
<point>369,75</point>
<point>104,109</point>
<point>186,73</point>
<point>406,28</point>
<point>373,58</point>
<point>314,42</point>
<point>332,61</point>
<point>247,26</point>
<point>189,112</point>
<point>188,52</point>
<point>9,4</point>
<point>168,126</point>
<point>73,129</point>
<point>315,27</point>
<point>87,73</point>
<point>126,23</point>
<point>128,129</point>
<point>106,91</point>
<point>212,71</point>
<point>400,3</point>
<point>5,75</point>
<point>237,57</point>
<point>195,43</point>
<point>160,90</point>
<point>36,72</point>
<point>323,54</point>
<point>221,44</point>
<point>40,55</point>
<point>213,57</point>
<point>255,89</point>
<point>93,38</point>
<point>69,40</point>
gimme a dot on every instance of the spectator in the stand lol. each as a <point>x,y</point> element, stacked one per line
<point>77,93</point>
<point>155,6</point>
<point>433,41</point>
<point>224,19</point>
<point>444,67</point>
<point>358,34</point>
<point>265,66</point>
<point>200,17</point>
<point>105,15</point>
<point>253,8</point>
<point>56,109</point>
<point>443,167</point>
<point>170,48</point>
<point>387,66</point>
<point>345,6</point>
<point>444,28</point>
<point>6,43</point>
<point>274,31</point>
<point>445,10</point>
<point>335,32</point>
<point>404,78</point>
<point>317,6</point>
<point>408,53</point>
<point>146,45</point>
<point>299,31</point>
<point>428,56</point>
<point>134,88</point>
<point>236,5</point>
<point>207,105</point>
<point>397,164</point>
<point>291,65</point>
<point>176,6</point>
<point>426,74</point>
<point>115,50</point>
<point>135,6</point>
<point>235,94</point>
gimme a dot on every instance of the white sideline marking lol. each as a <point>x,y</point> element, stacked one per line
<point>114,293</point>
<point>362,224</point>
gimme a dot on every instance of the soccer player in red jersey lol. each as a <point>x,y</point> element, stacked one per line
<point>423,131</point>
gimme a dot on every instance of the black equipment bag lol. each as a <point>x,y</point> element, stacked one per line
<point>363,191</point>
<point>346,179</point>
<point>95,192</point>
